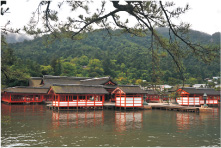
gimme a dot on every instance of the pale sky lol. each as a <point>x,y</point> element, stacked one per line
<point>204,15</point>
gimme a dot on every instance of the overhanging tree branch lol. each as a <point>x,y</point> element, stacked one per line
<point>148,14</point>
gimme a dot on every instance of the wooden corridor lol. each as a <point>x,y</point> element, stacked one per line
<point>174,107</point>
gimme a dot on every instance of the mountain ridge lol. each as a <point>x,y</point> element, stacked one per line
<point>124,57</point>
<point>14,38</point>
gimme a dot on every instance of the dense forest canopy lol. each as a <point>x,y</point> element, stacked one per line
<point>130,54</point>
<point>123,57</point>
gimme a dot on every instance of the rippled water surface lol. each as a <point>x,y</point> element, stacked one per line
<point>35,125</point>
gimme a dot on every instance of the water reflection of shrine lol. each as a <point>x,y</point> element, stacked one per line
<point>128,120</point>
<point>185,121</point>
<point>77,119</point>
<point>34,109</point>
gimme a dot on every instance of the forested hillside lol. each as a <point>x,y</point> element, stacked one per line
<point>124,57</point>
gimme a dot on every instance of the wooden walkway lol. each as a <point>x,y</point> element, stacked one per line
<point>106,105</point>
<point>174,107</point>
<point>160,106</point>
<point>49,106</point>
<point>109,105</point>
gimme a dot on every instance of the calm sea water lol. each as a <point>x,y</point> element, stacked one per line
<point>35,125</point>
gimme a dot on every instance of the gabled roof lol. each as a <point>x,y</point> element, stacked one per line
<point>200,91</point>
<point>152,92</point>
<point>49,80</point>
<point>26,90</point>
<point>35,81</point>
<point>78,89</point>
<point>98,81</point>
<point>130,89</point>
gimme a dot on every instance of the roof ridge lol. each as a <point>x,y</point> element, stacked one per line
<point>95,78</point>
<point>204,88</point>
<point>56,77</point>
<point>77,85</point>
<point>28,87</point>
<point>129,85</point>
<point>35,77</point>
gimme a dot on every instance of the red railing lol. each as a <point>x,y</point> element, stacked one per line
<point>128,100</point>
<point>77,100</point>
<point>21,98</point>
<point>197,100</point>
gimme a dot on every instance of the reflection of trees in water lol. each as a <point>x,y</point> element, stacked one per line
<point>128,120</point>
<point>187,121</point>
<point>77,119</point>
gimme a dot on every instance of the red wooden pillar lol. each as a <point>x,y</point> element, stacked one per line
<point>194,100</point>
<point>77,100</point>
<point>125,98</point>
<point>182,99</point>
<point>133,100</point>
<point>120,99</point>
<point>58,100</point>
<point>141,100</point>
<point>103,98</point>
<point>10,98</point>
<point>55,99</point>
<point>188,100</point>
<point>94,99</point>
<point>68,100</point>
<point>86,100</point>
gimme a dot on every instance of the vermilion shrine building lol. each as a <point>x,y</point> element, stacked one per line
<point>75,92</point>
<point>78,92</point>
<point>194,96</point>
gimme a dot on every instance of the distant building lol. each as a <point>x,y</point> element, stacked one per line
<point>199,85</point>
<point>155,96</point>
<point>152,96</point>
<point>216,86</point>
<point>216,78</point>
<point>194,96</point>
<point>165,87</point>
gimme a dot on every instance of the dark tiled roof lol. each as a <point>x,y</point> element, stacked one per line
<point>97,81</point>
<point>49,80</point>
<point>26,90</point>
<point>110,86</point>
<point>35,82</point>
<point>78,89</point>
<point>152,92</point>
<point>64,77</point>
<point>201,91</point>
<point>36,78</point>
<point>132,89</point>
